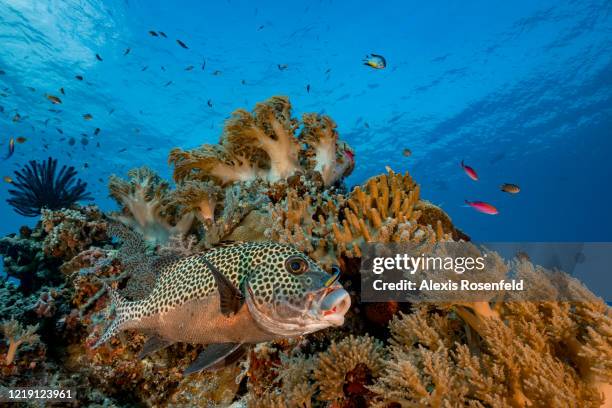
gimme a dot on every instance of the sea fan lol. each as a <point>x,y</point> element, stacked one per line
<point>37,187</point>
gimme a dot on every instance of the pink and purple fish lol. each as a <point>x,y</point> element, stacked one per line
<point>469,171</point>
<point>482,207</point>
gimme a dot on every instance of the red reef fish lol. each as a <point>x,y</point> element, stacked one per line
<point>482,207</point>
<point>469,171</point>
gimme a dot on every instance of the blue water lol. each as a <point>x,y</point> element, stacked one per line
<point>521,90</point>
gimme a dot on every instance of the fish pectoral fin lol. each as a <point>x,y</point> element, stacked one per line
<point>216,356</point>
<point>153,344</point>
<point>230,298</point>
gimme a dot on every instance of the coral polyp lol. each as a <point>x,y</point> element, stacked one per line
<point>37,186</point>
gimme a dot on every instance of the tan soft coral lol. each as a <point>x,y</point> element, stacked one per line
<point>16,335</point>
<point>143,199</point>
<point>262,145</point>
<point>325,154</point>
<point>199,197</point>
<point>212,162</point>
<point>270,128</point>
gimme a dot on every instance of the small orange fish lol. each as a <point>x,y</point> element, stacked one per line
<point>54,99</point>
<point>87,116</point>
<point>21,139</point>
<point>510,188</point>
<point>7,179</point>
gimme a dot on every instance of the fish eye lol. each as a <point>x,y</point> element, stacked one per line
<point>296,265</point>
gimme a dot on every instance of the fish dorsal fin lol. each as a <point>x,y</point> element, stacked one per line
<point>230,298</point>
<point>214,356</point>
<point>153,344</point>
<point>227,243</point>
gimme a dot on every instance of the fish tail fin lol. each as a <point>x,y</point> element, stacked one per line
<point>122,308</point>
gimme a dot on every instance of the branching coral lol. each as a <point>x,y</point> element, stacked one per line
<point>16,335</point>
<point>343,371</point>
<point>262,145</point>
<point>144,199</point>
<point>330,227</point>
<point>511,353</point>
<point>37,186</point>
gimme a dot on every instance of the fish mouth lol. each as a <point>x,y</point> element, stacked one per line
<point>333,305</point>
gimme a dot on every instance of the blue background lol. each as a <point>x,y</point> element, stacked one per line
<point>521,90</point>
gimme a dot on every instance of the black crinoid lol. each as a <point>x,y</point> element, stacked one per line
<point>37,187</point>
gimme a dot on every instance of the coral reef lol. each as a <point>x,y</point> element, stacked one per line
<point>36,186</point>
<point>274,177</point>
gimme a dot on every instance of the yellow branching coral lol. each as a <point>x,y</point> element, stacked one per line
<point>143,199</point>
<point>509,353</point>
<point>334,367</point>
<point>262,145</point>
<point>324,153</point>
<point>16,335</point>
<point>199,197</point>
<point>306,223</point>
<point>383,211</point>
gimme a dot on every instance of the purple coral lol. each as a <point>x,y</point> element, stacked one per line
<point>37,186</point>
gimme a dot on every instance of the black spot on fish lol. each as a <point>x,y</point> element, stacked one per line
<point>60,131</point>
<point>189,68</point>
<point>122,150</point>
<point>209,103</point>
<point>153,33</point>
<point>182,44</point>
<point>79,77</point>
<point>163,68</point>
<point>162,34</point>
<point>203,65</point>
<point>71,141</point>
<point>98,57</point>
<point>144,68</point>
<point>62,91</point>
<point>127,51</point>
<point>308,88</point>
<point>168,83</point>
<point>97,131</point>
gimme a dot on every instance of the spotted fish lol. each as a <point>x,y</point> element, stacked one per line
<point>230,297</point>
